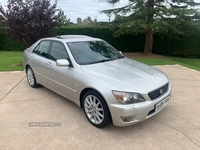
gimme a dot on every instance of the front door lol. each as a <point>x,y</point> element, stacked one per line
<point>59,78</point>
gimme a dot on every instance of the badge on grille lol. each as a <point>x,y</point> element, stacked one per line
<point>161,91</point>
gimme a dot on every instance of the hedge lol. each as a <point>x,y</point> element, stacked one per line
<point>183,46</point>
<point>124,43</point>
<point>8,45</point>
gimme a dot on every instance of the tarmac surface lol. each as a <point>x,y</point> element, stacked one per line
<point>40,119</point>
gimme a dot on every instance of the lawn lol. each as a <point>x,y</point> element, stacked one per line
<point>12,60</point>
<point>190,63</point>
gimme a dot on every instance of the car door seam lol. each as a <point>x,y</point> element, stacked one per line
<point>62,85</point>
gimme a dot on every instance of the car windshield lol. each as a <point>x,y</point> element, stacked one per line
<point>91,52</point>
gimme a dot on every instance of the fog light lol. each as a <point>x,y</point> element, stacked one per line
<point>127,119</point>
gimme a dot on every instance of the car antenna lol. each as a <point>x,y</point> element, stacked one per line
<point>59,36</point>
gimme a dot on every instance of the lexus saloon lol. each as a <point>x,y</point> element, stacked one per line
<point>98,78</point>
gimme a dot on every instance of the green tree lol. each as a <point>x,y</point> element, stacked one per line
<point>26,21</point>
<point>89,19</point>
<point>154,16</point>
<point>63,18</point>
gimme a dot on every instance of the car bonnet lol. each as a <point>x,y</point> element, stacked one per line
<point>128,75</point>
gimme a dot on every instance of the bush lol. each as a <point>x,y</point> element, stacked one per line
<point>8,45</point>
<point>128,43</point>
<point>183,46</point>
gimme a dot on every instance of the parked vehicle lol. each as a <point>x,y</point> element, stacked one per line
<point>98,78</point>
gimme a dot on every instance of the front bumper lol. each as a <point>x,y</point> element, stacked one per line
<point>124,115</point>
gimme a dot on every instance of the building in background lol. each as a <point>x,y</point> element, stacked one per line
<point>79,21</point>
<point>86,21</point>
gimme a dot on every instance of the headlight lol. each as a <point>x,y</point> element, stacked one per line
<point>128,97</point>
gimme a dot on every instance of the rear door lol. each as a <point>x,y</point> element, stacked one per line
<point>38,60</point>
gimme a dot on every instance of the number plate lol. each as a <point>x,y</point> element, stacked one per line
<point>162,104</point>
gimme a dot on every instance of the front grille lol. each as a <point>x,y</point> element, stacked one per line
<point>158,92</point>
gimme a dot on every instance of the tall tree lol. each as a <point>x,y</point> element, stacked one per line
<point>89,19</point>
<point>63,18</point>
<point>25,21</point>
<point>154,16</point>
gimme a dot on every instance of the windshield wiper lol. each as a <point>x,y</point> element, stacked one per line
<point>100,61</point>
<point>121,57</point>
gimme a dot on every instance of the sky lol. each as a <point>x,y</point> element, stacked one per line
<point>84,8</point>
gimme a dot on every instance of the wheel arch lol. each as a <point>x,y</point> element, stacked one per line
<point>83,93</point>
<point>86,90</point>
<point>92,89</point>
<point>27,65</point>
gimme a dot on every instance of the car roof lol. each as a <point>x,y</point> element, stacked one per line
<point>72,38</point>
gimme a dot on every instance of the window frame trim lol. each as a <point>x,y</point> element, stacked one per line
<point>50,44</point>
<point>70,62</point>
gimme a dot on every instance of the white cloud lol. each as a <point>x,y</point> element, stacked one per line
<point>84,8</point>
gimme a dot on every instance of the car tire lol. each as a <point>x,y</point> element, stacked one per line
<point>31,78</point>
<point>96,109</point>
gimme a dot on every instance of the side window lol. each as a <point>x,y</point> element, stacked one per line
<point>42,48</point>
<point>58,51</point>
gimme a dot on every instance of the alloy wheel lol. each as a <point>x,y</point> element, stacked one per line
<point>94,109</point>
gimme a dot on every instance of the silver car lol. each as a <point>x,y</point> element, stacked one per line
<point>98,78</point>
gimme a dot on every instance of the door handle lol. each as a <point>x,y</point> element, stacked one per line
<point>49,64</point>
<point>32,57</point>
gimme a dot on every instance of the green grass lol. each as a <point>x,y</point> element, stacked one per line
<point>187,62</point>
<point>11,60</point>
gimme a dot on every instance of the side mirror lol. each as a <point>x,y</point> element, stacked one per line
<point>62,62</point>
<point>120,52</point>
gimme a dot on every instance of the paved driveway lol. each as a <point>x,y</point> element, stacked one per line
<point>175,127</point>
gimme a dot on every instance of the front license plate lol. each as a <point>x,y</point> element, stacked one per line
<point>162,104</point>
